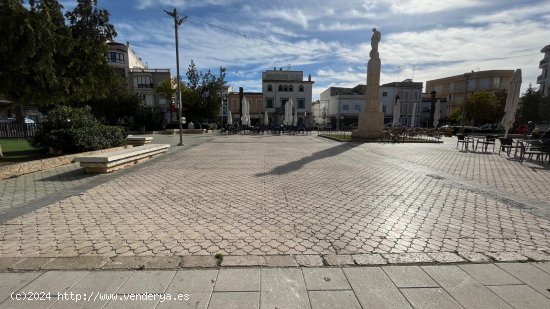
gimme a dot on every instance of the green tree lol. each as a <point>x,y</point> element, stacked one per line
<point>201,96</point>
<point>528,109</point>
<point>482,107</point>
<point>34,48</point>
<point>88,65</point>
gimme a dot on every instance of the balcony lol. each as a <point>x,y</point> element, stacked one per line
<point>543,63</point>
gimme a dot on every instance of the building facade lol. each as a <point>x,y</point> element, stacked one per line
<point>345,104</point>
<point>257,109</point>
<point>544,79</point>
<point>410,94</point>
<point>341,106</point>
<point>456,88</point>
<point>279,86</point>
<point>141,79</point>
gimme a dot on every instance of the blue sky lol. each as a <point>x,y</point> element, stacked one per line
<point>331,39</point>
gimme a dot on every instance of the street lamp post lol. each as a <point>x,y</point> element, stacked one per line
<point>177,22</point>
<point>467,76</point>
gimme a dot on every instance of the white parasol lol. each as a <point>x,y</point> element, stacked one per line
<point>511,102</point>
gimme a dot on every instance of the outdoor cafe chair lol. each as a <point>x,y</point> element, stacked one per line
<point>530,152</point>
<point>485,142</point>
<point>506,145</point>
<point>464,140</point>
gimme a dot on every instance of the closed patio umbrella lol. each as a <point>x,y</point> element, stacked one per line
<point>397,113</point>
<point>266,119</point>
<point>413,118</point>
<point>437,113</point>
<point>511,102</point>
<point>229,119</point>
<point>295,118</point>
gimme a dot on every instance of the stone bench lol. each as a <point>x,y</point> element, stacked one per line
<point>138,140</point>
<point>111,161</point>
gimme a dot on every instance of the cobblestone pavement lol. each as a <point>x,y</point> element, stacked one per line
<point>297,195</point>
<point>20,190</point>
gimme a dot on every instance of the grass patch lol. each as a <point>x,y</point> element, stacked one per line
<point>19,150</point>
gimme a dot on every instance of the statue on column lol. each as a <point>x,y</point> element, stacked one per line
<point>375,39</point>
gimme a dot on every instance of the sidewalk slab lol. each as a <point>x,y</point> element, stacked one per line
<point>521,296</point>
<point>283,288</point>
<point>430,298</point>
<point>333,299</point>
<point>235,300</point>
<point>376,292</point>
<point>147,281</point>
<point>11,282</point>
<point>325,279</point>
<point>530,275</point>
<point>238,280</point>
<point>409,277</point>
<point>489,274</point>
<point>463,288</point>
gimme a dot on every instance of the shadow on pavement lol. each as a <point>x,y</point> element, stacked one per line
<point>73,175</point>
<point>296,165</point>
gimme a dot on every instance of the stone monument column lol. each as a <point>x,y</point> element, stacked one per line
<point>371,119</point>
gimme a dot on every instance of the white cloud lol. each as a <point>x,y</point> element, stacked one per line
<point>411,7</point>
<point>512,15</point>
<point>343,27</point>
<point>145,4</point>
<point>294,16</point>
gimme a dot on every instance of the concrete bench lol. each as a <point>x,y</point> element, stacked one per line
<point>111,161</point>
<point>138,140</point>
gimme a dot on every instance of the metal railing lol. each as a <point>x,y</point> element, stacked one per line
<point>16,130</point>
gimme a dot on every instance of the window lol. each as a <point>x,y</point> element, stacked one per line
<point>301,88</point>
<point>384,94</point>
<point>345,107</point>
<point>280,87</point>
<point>358,107</point>
<point>291,88</point>
<point>301,103</point>
<point>405,108</point>
<point>283,102</point>
<point>384,109</point>
<point>406,95</point>
<point>496,82</point>
<point>415,95</point>
<point>268,102</point>
<point>115,57</point>
<point>143,81</point>
<point>269,87</point>
<point>285,88</point>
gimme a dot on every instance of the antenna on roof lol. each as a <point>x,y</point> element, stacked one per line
<point>413,73</point>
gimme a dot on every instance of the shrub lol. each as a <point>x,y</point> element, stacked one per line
<point>150,119</point>
<point>72,130</point>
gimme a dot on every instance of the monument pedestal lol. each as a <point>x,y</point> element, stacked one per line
<point>371,119</point>
<point>371,124</point>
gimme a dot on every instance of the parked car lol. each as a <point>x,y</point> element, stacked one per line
<point>351,127</point>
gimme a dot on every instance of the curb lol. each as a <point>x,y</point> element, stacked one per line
<point>21,264</point>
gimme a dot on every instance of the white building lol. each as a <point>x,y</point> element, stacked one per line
<point>141,80</point>
<point>346,103</point>
<point>544,79</point>
<point>278,86</point>
<point>342,103</point>
<point>410,94</point>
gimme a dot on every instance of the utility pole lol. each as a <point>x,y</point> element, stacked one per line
<point>177,22</point>
<point>221,98</point>
<point>467,76</point>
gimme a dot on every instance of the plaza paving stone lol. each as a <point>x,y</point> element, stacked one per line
<point>294,195</point>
